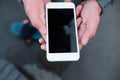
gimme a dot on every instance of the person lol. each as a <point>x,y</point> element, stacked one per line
<point>88,17</point>
<point>87,11</point>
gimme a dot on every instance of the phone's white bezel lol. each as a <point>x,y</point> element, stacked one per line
<point>74,56</point>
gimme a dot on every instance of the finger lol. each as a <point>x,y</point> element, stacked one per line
<point>85,40</point>
<point>85,35</point>
<point>67,0</point>
<point>43,47</point>
<point>42,41</point>
<point>78,10</point>
<point>81,31</point>
<point>79,22</point>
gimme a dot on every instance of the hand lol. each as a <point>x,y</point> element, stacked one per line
<point>35,9</point>
<point>90,16</point>
<point>42,41</point>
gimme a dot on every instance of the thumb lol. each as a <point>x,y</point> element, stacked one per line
<point>89,33</point>
<point>85,38</point>
<point>78,10</point>
<point>91,26</point>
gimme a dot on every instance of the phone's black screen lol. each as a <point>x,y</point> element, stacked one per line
<point>61,31</point>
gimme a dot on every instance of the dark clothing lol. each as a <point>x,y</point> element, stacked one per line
<point>103,3</point>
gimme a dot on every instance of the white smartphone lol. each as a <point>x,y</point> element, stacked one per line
<point>62,39</point>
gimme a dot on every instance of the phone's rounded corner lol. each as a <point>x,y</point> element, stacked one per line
<point>48,58</point>
<point>47,4</point>
<point>72,3</point>
<point>78,58</point>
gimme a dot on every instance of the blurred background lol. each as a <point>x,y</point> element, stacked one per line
<point>100,59</point>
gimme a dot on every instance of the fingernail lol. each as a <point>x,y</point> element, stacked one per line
<point>85,41</point>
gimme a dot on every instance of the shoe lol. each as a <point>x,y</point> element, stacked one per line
<point>16,29</point>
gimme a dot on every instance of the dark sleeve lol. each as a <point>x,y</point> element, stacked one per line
<point>104,3</point>
<point>20,1</point>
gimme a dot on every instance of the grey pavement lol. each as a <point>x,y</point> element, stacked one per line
<point>8,71</point>
<point>100,59</point>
